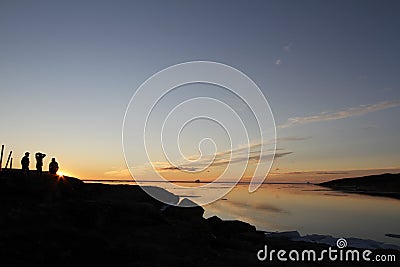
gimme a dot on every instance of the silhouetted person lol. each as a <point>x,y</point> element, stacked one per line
<point>53,166</point>
<point>39,162</point>
<point>25,163</point>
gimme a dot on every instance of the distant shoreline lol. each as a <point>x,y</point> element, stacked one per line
<point>382,185</point>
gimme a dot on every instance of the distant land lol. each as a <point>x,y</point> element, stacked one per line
<point>387,185</point>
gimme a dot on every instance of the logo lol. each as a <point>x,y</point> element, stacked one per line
<point>331,254</point>
<point>341,243</point>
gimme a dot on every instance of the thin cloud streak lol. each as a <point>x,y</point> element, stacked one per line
<point>250,153</point>
<point>341,114</point>
<point>253,158</point>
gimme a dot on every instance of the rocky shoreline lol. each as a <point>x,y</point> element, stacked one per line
<point>47,220</point>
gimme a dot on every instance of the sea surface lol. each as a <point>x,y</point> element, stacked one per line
<point>310,209</point>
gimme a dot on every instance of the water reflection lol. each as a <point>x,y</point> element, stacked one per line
<point>311,209</point>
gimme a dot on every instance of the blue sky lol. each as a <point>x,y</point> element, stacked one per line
<point>69,68</point>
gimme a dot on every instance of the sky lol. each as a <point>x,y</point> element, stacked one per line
<point>329,70</point>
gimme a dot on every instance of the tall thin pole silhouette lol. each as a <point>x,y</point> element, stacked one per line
<point>1,157</point>
<point>8,159</point>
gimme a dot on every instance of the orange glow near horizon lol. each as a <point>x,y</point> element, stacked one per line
<point>63,173</point>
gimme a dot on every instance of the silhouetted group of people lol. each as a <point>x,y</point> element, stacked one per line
<point>53,166</point>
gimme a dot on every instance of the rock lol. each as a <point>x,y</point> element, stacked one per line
<point>182,211</point>
<point>219,226</point>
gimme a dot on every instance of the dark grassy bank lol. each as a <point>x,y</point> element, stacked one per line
<point>387,185</point>
<point>48,221</point>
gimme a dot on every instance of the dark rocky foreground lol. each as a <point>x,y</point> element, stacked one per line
<point>49,221</point>
<point>387,185</point>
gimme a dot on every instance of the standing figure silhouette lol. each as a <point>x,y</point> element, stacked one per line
<point>53,166</point>
<point>39,162</point>
<point>25,163</point>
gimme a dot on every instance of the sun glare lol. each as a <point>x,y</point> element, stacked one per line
<point>63,174</point>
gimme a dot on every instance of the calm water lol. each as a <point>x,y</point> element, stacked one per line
<point>310,209</point>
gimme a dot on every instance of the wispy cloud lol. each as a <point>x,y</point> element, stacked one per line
<point>278,62</point>
<point>250,153</point>
<point>341,114</point>
<point>180,168</point>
